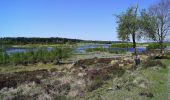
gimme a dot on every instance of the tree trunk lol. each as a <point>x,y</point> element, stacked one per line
<point>134,44</point>
<point>161,46</point>
<point>161,36</point>
<point>134,47</point>
<point>161,42</point>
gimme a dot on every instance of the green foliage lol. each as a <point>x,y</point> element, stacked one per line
<point>152,63</point>
<point>33,56</point>
<point>130,24</point>
<point>148,25</point>
<point>110,50</point>
<point>122,45</point>
<point>96,49</point>
<point>155,46</point>
<point>53,40</point>
<point>61,53</point>
<point>4,58</point>
<point>41,55</point>
<point>17,58</point>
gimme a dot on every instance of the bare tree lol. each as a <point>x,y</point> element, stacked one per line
<point>161,12</point>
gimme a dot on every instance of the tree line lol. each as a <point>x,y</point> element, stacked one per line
<point>24,40</point>
<point>52,40</point>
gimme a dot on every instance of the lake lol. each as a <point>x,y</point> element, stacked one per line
<point>80,49</point>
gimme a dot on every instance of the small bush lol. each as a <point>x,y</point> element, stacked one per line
<point>110,50</point>
<point>155,46</point>
<point>152,63</point>
<point>4,58</point>
<point>96,49</point>
<point>94,85</point>
<point>122,45</point>
<point>61,53</point>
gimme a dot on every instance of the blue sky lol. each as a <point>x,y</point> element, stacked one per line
<point>81,19</point>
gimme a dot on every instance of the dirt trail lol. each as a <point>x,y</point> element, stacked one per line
<point>169,84</point>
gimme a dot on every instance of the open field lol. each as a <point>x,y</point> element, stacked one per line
<point>85,50</point>
<point>79,77</point>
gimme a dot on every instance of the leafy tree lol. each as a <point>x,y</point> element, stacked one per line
<point>147,25</point>
<point>131,24</point>
<point>128,25</point>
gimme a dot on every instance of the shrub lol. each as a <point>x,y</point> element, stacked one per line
<point>30,58</point>
<point>110,50</point>
<point>122,45</point>
<point>33,56</point>
<point>4,58</point>
<point>61,53</point>
<point>94,85</point>
<point>40,54</point>
<point>101,49</point>
<point>16,58</point>
<point>155,46</point>
<point>152,63</point>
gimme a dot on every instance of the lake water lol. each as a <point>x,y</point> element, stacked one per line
<point>83,48</point>
<point>80,49</point>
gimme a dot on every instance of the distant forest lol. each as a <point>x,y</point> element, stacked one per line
<point>52,40</point>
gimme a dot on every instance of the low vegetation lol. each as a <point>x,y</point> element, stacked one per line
<point>91,78</point>
<point>152,63</point>
<point>109,50</point>
<point>148,82</point>
<point>100,49</point>
<point>121,45</point>
<point>33,56</point>
<point>40,74</point>
<point>153,46</point>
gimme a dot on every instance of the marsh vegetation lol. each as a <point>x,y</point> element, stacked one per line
<point>74,69</point>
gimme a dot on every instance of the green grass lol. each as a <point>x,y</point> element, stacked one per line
<point>158,81</point>
<point>20,68</point>
<point>168,44</point>
<point>43,45</point>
